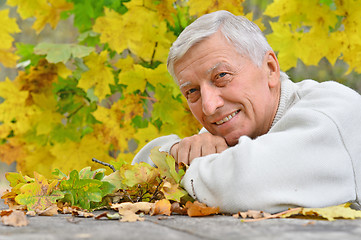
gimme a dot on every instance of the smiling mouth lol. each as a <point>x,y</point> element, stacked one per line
<point>229,117</point>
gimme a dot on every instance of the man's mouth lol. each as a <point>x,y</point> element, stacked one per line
<point>227,118</point>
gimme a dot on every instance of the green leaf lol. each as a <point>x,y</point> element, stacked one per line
<point>87,173</point>
<point>62,52</point>
<point>82,192</point>
<point>165,164</point>
<point>59,174</point>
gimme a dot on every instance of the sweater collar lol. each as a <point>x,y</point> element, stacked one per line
<point>287,90</point>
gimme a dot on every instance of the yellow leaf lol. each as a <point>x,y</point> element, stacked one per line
<point>8,26</point>
<point>111,131</point>
<point>78,155</point>
<point>7,58</point>
<point>200,7</point>
<point>44,11</point>
<point>14,108</point>
<point>135,79</point>
<point>145,135</point>
<point>126,64</point>
<point>139,30</point>
<point>63,71</point>
<point>12,151</point>
<point>50,13</point>
<point>342,211</point>
<point>27,8</point>
<point>282,40</point>
<point>110,27</point>
<point>99,75</point>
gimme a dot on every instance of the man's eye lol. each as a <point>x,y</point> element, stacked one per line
<point>192,95</point>
<point>190,91</point>
<point>222,74</point>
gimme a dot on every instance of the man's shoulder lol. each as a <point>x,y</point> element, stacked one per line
<point>328,90</point>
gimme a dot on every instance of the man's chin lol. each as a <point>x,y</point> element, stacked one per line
<point>231,141</point>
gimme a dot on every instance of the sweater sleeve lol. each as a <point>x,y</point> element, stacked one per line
<point>165,143</point>
<point>302,161</point>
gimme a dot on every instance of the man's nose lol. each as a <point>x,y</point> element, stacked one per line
<point>211,99</point>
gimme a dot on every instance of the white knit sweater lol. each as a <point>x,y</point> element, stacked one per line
<point>310,157</point>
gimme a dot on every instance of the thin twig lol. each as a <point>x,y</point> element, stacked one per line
<point>104,163</point>
<point>277,215</point>
<point>157,189</point>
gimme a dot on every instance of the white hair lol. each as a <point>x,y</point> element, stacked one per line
<point>242,33</point>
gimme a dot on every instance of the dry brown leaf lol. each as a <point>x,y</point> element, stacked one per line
<point>162,207</point>
<point>31,213</point>
<point>198,209</point>
<point>255,214</point>
<point>144,207</point>
<point>5,212</point>
<point>176,208</point>
<point>80,213</point>
<point>16,219</point>
<point>130,216</point>
<point>49,211</point>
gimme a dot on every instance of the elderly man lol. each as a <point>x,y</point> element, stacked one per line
<point>267,143</point>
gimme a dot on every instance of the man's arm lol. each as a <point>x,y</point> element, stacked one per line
<point>199,145</point>
<point>302,161</point>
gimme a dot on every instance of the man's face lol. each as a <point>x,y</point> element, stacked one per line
<point>227,93</point>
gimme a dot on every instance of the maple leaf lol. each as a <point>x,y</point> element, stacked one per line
<point>197,209</point>
<point>98,76</point>
<point>39,195</point>
<point>8,26</point>
<point>12,151</point>
<point>45,11</point>
<point>198,8</point>
<point>56,52</point>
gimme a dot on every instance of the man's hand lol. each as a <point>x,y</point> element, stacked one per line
<point>197,146</point>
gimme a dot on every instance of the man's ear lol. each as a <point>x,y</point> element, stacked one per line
<point>273,69</point>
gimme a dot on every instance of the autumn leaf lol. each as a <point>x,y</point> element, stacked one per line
<point>39,195</point>
<point>161,207</point>
<point>139,173</point>
<point>166,165</point>
<point>197,209</point>
<point>56,52</point>
<point>98,76</point>
<point>329,213</point>
<point>8,26</point>
<point>15,219</point>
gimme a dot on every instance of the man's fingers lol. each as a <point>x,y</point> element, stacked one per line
<point>221,147</point>
<point>184,151</point>
<point>174,151</point>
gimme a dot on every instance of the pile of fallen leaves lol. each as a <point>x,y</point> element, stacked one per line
<point>127,194</point>
<point>132,190</point>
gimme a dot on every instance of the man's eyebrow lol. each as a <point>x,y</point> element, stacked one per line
<point>218,65</point>
<point>214,67</point>
<point>184,85</point>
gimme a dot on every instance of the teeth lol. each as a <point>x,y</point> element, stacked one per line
<point>226,119</point>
